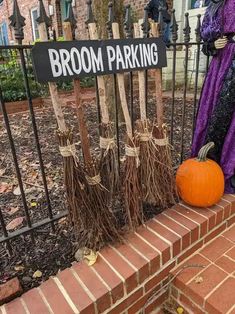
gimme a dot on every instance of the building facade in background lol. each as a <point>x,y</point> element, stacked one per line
<point>57,10</point>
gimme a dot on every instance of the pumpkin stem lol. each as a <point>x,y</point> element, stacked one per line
<point>202,155</point>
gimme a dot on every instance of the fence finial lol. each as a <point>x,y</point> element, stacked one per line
<point>198,29</point>
<point>90,15</point>
<point>174,27</point>
<point>43,18</point>
<point>71,19</point>
<point>187,29</point>
<point>17,21</point>
<point>146,25</point>
<point>161,22</point>
<point>110,20</point>
<point>128,22</point>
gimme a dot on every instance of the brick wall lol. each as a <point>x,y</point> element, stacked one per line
<point>80,13</point>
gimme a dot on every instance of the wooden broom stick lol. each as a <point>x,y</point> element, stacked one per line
<point>56,103</point>
<point>84,136</point>
<point>158,82</point>
<point>121,86</point>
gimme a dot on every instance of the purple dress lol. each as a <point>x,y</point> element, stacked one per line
<point>216,115</point>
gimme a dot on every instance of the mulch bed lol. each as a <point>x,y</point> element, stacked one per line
<point>51,252</point>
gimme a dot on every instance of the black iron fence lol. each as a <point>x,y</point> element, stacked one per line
<point>181,101</point>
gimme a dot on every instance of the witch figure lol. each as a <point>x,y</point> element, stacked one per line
<point>216,115</point>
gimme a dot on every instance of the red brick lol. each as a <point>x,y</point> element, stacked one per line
<point>137,260</point>
<point>156,242</point>
<point>188,273</point>
<point>34,302</point>
<point>231,200</point>
<point>156,303</point>
<point>231,253</point>
<point>190,251</point>
<point>209,215</point>
<point>231,221</point>
<point>55,298</point>
<point>127,272</point>
<point>183,232</point>
<point>219,211</point>
<point>159,277</point>
<point>166,234</point>
<point>127,302</point>
<point>146,250</point>
<point>223,298</point>
<point>112,280</point>
<point>76,292</point>
<point>10,290</point>
<point>194,234</point>
<point>187,212</point>
<point>226,264</point>
<point>216,248</point>
<point>230,234</point>
<point>142,301</point>
<point>190,305</point>
<point>15,307</point>
<point>215,233</point>
<point>94,285</point>
<point>212,276</point>
<point>174,292</point>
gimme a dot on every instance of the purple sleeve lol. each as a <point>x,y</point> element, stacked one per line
<point>211,27</point>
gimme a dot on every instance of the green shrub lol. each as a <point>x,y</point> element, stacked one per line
<point>12,80</point>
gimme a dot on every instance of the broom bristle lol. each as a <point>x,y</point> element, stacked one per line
<point>132,188</point>
<point>149,176</point>
<point>109,161</point>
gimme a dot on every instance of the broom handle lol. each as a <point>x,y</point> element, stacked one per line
<point>141,76</point>
<point>56,103</point>
<point>93,32</point>
<point>121,87</point>
<point>84,136</point>
<point>158,82</point>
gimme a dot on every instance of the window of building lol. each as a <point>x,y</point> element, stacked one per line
<point>3,34</point>
<point>195,4</point>
<point>34,16</point>
<point>64,4</point>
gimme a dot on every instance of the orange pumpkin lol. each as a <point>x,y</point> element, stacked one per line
<point>200,181</point>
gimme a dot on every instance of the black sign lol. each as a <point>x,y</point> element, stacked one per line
<point>54,61</point>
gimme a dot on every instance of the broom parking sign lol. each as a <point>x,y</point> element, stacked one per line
<point>60,61</point>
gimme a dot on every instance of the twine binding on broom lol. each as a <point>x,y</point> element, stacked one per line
<point>145,137</point>
<point>133,152</point>
<point>107,144</point>
<point>68,151</point>
<point>161,141</point>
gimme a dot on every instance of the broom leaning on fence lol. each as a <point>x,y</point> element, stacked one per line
<point>132,189</point>
<point>98,225</point>
<point>109,161</point>
<point>148,150</point>
<point>164,167</point>
<point>65,135</point>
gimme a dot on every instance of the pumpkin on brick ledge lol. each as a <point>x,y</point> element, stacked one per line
<point>200,181</point>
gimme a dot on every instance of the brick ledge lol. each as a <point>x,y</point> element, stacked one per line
<point>127,277</point>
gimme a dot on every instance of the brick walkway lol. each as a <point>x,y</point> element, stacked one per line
<point>211,288</point>
<point>133,276</point>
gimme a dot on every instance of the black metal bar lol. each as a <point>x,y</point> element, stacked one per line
<point>14,155</point>
<point>4,231</point>
<point>98,102</point>
<point>34,125</point>
<point>174,30</point>
<point>198,38</point>
<point>187,31</point>
<point>35,226</point>
<point>117,119</point>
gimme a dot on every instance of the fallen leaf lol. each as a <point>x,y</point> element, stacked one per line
<point>33,204</point>
<point>17,191</point>
<point>37,274</point>
<point>2,171</point>
<point>12,210</point>
<point>5,188</point>
<point>14,223</point>
<point>180,310</point>
<point>91,258</point>
<point>198,280</point>
<point>18,268</point>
